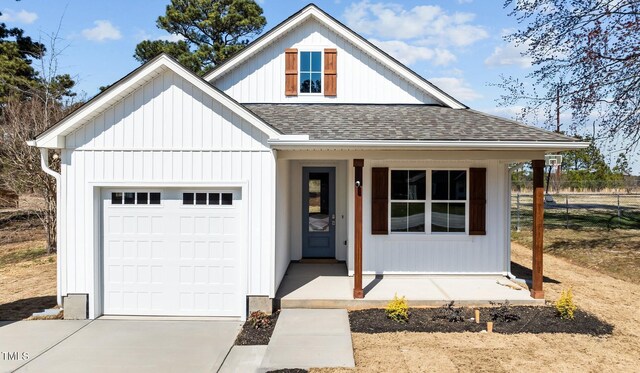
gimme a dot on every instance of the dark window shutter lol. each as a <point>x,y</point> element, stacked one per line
<point>379,200</point>
<point>330,72</point>
<point>291,72</point>
<point>478,202</point>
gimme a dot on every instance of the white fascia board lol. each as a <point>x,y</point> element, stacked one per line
<point>285,27</point>
<point>54,137</point>
<point>439,145</point>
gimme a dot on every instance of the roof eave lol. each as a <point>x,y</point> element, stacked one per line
<point>546,146</point>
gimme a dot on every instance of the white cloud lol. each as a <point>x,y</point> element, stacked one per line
<point>21,16</point>
<point>102,31</point>
<point>409,54</point>
<point>457,88</point>
<point>143,35</point>
<point>425,24</point>
<point>509,54</point>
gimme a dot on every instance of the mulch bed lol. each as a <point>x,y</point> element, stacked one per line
<point>252,336</point>
<point>542,319</point>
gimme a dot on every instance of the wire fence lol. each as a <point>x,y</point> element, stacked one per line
<point>579,211</point>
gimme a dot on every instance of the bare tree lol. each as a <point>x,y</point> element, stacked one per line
<point>586,59</point>
<point>24,116</point>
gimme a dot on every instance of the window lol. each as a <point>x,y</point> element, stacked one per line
<point>227,198</point>
<point>154,198</point>
<point>207,198</point>
<point>310,72</point>
<point>116,198</point>
<point>129,198</point>
<point>143,198</point>
<point>448,201</point>
<point>413,206</point>
<point>408,194</point>
<point>133,198</point>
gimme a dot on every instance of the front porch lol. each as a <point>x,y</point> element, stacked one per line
<point>311,285</point>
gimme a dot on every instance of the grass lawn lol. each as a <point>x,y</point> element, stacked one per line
<point>27,273</point>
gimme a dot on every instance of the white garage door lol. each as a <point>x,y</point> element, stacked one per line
<point>172,252</point>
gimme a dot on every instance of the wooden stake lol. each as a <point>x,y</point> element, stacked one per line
<point>477,316</point>
<point>489,326</point>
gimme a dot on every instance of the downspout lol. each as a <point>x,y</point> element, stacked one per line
<point>44,163</point>
<point>517,166</point>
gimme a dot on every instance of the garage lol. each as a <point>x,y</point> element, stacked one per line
<point>172,252</point>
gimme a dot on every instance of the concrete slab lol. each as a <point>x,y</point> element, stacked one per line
<point>329,286</point>
<point>310,338</point>
<point>141,346</point>
<point>23,341</point>
<point>245,359</point>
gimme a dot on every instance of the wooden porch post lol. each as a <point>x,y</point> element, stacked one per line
<point>537,291</point>
<point>357,257</point>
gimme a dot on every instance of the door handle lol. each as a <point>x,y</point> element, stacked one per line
<point>333,219</point>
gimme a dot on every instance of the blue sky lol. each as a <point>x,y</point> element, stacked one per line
<point>456,44</point>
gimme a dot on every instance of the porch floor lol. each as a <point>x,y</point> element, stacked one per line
<point>307,285</point>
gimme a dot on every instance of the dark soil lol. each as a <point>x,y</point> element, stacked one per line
<point>531,320</point>
<point>252,336</point>
<point>288,371</point>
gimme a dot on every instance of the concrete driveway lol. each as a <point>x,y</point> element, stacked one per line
<point>117,345</point>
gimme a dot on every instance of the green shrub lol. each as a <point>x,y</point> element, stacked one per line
<point>398,309</point>
<point>259,320</point>
<point>565,305</point>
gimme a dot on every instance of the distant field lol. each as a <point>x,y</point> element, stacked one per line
<point>580,211</point>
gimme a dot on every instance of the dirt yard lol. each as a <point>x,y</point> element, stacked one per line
<point>614,300</point>
<point>27,273</point>
<point>614,252</point>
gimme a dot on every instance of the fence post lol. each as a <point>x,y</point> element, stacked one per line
<point>619,213</point>
<point>518,212</point>
<point>566,203</point>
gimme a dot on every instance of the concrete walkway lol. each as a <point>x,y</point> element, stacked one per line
<point>310,338</point>
<point>120,345</point>
<point>23,341</point>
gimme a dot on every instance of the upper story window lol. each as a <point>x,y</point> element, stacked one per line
<point>310,72</point>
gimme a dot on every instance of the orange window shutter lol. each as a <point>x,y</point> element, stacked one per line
<point>291,72</point>
<point>330,72</point>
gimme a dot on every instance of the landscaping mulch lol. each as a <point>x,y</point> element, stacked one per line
<point>251,336</point>
<point>542,319</point>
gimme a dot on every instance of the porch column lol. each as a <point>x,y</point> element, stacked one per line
<point>357,257</point>
<point>538,228</point>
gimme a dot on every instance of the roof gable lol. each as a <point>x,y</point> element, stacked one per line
<point>54,137</point>
<point>313,12</point>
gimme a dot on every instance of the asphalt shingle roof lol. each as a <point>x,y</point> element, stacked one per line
<point>396,122</point>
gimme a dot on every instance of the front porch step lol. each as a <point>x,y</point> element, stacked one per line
<point>355,304</point>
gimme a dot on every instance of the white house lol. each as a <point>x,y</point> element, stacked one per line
<point>187,196</point>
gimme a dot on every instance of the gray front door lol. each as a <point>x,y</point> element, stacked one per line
<point>318,212</point>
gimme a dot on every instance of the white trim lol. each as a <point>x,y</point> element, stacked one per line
<point>54,137</point>
<point>278,143</point>
<point>313,11</point>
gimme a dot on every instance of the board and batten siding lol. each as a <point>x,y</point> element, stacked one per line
<point>360,78</point>
<point>439,253</point>
<point>166,131</point>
